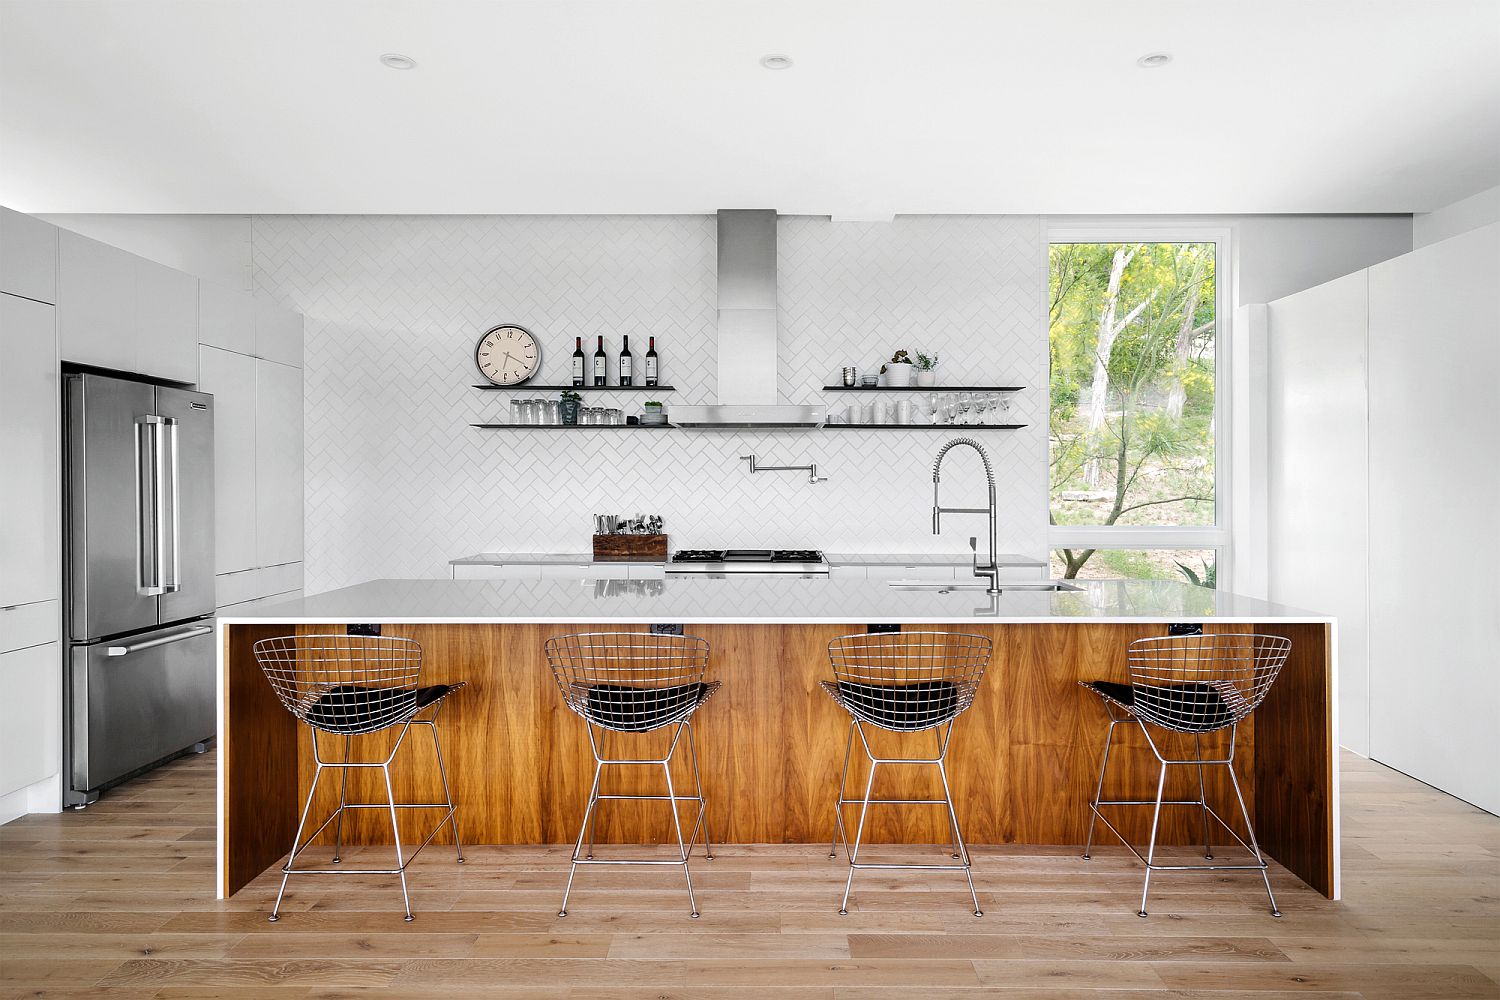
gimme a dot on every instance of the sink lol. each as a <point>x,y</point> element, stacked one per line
<point>950,586</point>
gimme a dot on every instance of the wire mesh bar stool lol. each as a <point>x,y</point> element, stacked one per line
<point>1193,685</point>
<point>636,682</point>
<point>347,685</point>
<point>903,682</point>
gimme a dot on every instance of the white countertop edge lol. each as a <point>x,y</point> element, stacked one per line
<point>799,620</point>
<point>1005,559</point>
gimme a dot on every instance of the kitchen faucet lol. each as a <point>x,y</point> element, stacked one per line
<point>991,569</point>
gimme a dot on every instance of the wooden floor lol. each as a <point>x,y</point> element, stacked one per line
<point>116,901</point>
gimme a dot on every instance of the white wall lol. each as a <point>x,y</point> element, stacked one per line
<point>1461,216</point>
<point>398,483</point>
<point>216,247</point>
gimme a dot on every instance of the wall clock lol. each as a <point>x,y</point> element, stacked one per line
<point>507,354</point>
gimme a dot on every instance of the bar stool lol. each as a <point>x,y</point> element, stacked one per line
<point>635,682</point>
<point>347,685</point>
<point>903,682</point>
<point>1195,685</point>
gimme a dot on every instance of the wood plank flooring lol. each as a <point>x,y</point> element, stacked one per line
<point>117,901</point>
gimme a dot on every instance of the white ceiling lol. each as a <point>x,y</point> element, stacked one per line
<point>660,106</point>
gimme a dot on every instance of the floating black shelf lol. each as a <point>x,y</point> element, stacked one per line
<point>922,427</point>
<point>923,388</point>
<point>573,427</point>
<point>576,388</point>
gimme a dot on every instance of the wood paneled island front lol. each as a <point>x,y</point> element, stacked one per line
<point>1024,757</point>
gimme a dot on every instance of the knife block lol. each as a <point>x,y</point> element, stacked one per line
<point>630,548</point>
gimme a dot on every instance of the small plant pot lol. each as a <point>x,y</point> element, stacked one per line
<point>927,379</point>
<point>898,375</point>
<point>568,410</point>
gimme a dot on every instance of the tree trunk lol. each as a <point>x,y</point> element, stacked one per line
<point>1104,342</point>
<point>1177,395</point>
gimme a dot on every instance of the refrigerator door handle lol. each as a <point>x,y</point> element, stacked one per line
<point>148,489</point>
<point>191,633</point>
<point>169,513</point>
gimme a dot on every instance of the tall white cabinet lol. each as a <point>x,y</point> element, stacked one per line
<point>30,557</point>
<point>1385,500</point>
<point>250,358</point>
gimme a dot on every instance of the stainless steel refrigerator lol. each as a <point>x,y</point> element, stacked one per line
<point>138,511</point>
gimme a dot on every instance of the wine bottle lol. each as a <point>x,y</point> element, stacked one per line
<point>578,361</point>
<point>626,370</point>
<point>651,362</point>
<point>600,364</point>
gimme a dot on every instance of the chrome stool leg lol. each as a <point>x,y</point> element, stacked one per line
<point>708,845</point>
<point>666,768</point>
<point>447,792</point>
<point>838,805</point>
<point>338,829</point>
<point>390,794</point>
<point>583,827</point>
<point>1208,850</point>
<point>859,833</point>
<point>297,845</point>
<point>958,835</point>
<point>1088,845</point>
<point>1254,844</point>
<point>1161,787</point>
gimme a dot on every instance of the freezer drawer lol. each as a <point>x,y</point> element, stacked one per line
<point>137,700</point>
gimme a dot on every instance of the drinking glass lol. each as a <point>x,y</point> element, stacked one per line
<point>516,412</point>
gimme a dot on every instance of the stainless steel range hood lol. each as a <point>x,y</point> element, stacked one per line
<point>747,332</point>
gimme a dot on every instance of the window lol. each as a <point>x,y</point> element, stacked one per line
<point>1136,330</point>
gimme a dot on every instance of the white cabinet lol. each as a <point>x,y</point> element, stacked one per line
<point>95,303</point>
<point>29,410</point>
<point>278,463</point>
<point>278,334</point>
<point>166,322</point>
<point>491,571</point>
<point>922,571</point>
<point>846,573</point>
<point>230,378</point>
<point>30,737</point>
<point>28,256</point>
<point>226,318</point>
<point>1434,471</point>
<point>120,311</point>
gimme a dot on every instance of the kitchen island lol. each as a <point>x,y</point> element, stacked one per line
<point>1024,757</point>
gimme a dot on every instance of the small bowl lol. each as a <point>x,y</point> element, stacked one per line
<point>869,381</point>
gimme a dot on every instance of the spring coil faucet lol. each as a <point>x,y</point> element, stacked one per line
<point>990,570</point>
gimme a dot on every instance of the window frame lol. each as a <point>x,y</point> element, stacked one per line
<point>1218,535</point>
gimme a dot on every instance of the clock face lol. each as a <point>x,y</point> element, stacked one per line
<point>508,355</point>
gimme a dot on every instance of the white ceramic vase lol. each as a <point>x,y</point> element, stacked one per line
<point>898,375</point>
<point>927,379</point>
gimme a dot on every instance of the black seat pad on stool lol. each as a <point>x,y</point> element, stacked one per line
<point>639,709</point>
<point>351,708</point>
<point>901,706</point>
<point>1194,707</point>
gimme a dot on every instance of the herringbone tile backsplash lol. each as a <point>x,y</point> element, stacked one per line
<point>398,483</point>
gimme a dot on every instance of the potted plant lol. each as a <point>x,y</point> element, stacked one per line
<point>567,408</point>
<point>898,370</point>
<point>926,365</point>
<point>654,413</point>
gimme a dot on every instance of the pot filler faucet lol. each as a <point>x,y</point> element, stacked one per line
<point>990,570</point>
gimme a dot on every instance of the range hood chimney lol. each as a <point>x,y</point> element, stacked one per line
<point>747,331</point>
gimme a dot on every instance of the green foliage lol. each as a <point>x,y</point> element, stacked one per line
<point>1143,454</point>
<point>568,395</point>
<point>1209,577</point>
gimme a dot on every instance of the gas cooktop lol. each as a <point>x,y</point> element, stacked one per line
<point>748,561</point>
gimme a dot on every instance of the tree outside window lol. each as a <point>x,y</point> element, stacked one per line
<point>1132,328</point>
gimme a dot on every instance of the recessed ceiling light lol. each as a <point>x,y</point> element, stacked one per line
<point>776,61</point>
<point>396,60</point>
<point>1153,60</point>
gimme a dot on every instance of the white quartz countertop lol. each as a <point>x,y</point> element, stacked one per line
<point>834,559</point>
<point>769,599</point>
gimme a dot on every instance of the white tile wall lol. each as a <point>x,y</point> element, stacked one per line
<point>398,483</point>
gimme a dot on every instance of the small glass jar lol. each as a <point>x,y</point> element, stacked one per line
<point>517,411</point>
